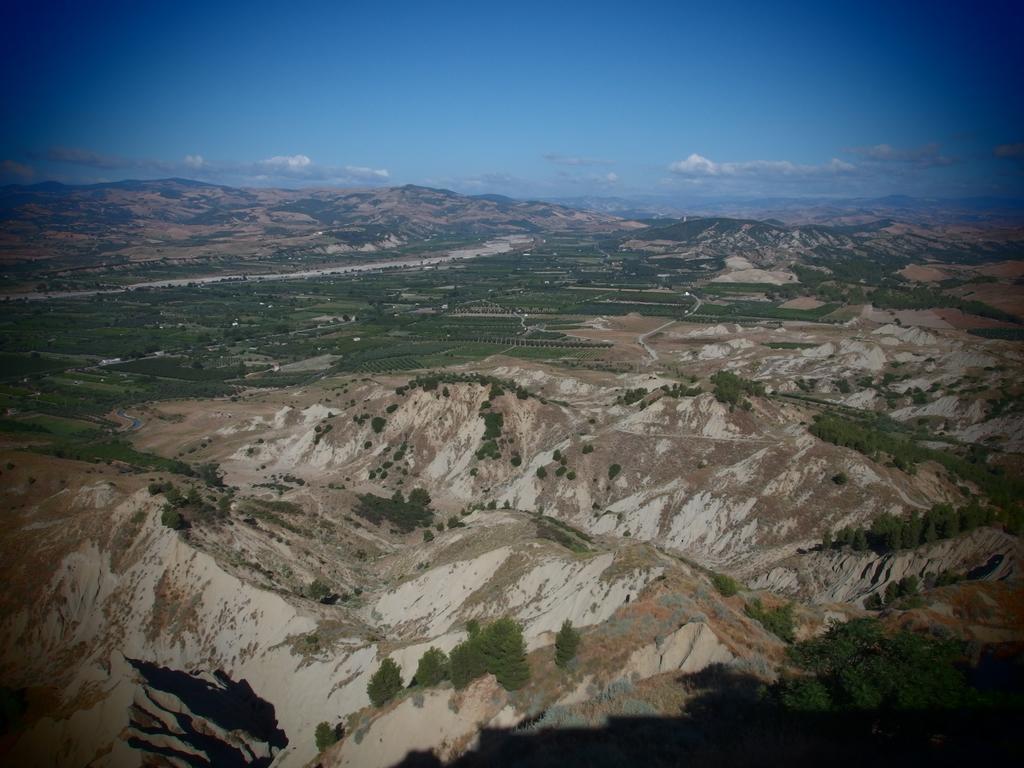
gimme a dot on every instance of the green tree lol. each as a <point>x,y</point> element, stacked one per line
<point>172,518</point>
<point>892,592</point>
<point>498,648</point>
<point>860,540</point>
<point>433,667</point>
<point>419,497</point>
<point>504,652</point>
<point>567,644</point>
<point>909,585</point>
<point>325,736</point>
<point>873,602</point>
<point>385,683</point>
<point>861,667</point>
<point>467,663</point>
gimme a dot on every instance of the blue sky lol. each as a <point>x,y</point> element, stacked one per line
<point>686,100</point>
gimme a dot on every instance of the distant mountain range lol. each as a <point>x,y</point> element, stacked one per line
<point>918,211</point>
<point>181,219</point>
<point>51,228</point>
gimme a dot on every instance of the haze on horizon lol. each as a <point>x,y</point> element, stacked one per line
<point>677,100</point>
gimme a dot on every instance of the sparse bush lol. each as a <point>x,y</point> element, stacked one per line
<point>779,621</point>
<point>613,471</point>
<point>615,689</point>
<point>559,717</point>
<point>317,590</point>
<point>726,586</point>
<point>636,708</point>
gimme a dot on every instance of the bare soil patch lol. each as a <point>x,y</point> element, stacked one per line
<point>1009,298</point>
<point>1008,269</point>
<point>958,319</point>
<point>922,273</point>
<point>801,302</point>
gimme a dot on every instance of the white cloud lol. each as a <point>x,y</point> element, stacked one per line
<point>611,178</point>
<point>695,165</point>
<point>361,172</point>
<point>287,162</point>
<point>699,166</point>
<point>279,169</point>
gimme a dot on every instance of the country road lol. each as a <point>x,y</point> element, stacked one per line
<point>641,339</point>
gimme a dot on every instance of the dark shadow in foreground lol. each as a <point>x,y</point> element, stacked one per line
<point>200,720</point>
<point>730,722</point>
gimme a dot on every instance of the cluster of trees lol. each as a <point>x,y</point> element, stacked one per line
<point>857,666</point>
<point>1005,489</point>
<point>923,297</point>
<point>679,389</point>
<point>498,649</point>
<point>889,533</point>
<point>182,508</point>
<point>494,421</point>
<point>431,381</point>
<point>870,439</point>
<point>630,396</point>
<point>404,514</point>
<point>731,389</point>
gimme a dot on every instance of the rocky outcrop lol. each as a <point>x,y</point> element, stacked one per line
<point>439,721</point>
<point>690,648</point>
<point>847,576</point>
<point>201,719</point>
